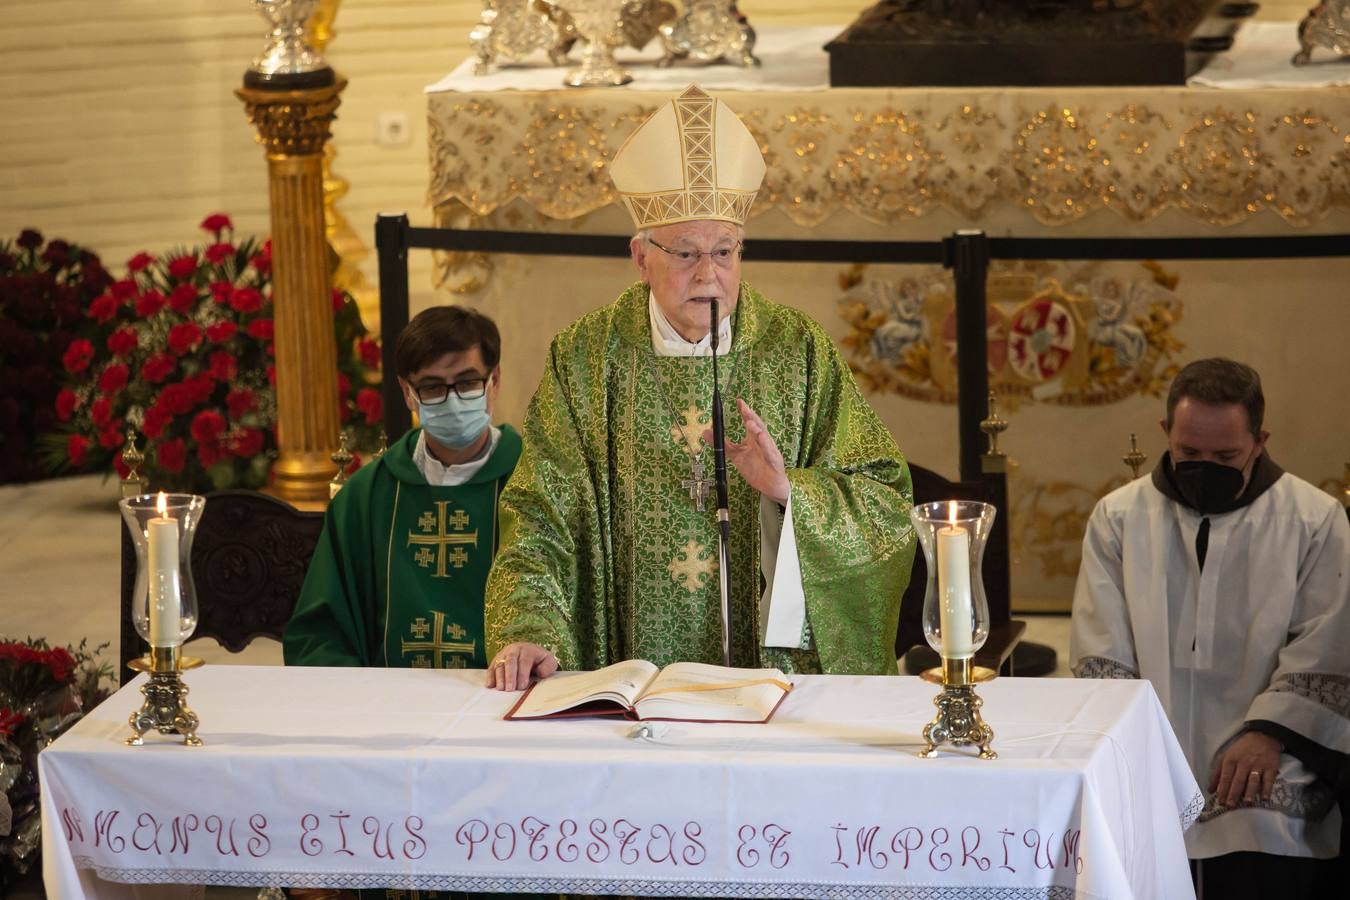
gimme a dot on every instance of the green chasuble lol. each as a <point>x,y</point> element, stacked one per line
<point>397,576</point>
<point>604,554</point>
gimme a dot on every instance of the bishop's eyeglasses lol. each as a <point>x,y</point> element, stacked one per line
<point>682,258</point>
<point>436,392</point>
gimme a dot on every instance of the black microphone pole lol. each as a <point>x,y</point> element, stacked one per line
<point>720,474</point>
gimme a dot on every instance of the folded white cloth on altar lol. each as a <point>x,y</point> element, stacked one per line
<point>1261,56</point>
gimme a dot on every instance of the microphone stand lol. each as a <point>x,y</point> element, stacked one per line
<point>720,475</point>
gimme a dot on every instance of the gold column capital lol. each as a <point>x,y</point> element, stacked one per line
<point>292,122</point>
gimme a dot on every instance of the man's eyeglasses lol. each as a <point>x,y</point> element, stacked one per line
<point>680,258</point>
<point>437,392</point>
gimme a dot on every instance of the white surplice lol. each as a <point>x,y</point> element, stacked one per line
<point>1263,633</point>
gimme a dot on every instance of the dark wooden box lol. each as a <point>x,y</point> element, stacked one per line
<point>966,43</point>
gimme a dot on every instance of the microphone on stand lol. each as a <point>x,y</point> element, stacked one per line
<point>720,475</point>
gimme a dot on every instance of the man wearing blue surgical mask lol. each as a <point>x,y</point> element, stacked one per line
<point>397,577</point>
<point>1225,581</point>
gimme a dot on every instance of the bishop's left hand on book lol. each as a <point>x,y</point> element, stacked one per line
<point>637,689</point>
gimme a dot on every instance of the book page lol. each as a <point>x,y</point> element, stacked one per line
<point>707,693</point>
<point>619,684</point>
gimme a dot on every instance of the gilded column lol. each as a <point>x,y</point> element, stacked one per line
<point>292,112</point>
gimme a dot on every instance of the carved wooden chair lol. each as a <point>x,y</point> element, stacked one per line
<point>249,559</point>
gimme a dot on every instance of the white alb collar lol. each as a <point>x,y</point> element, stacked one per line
<point>666,341</point>
<point>439,474</point>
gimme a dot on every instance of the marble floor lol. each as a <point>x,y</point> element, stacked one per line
<point>59,556</point>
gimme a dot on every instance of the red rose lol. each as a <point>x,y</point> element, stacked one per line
<point>209,454</point>
<point>369,351</point>
<point>183,268</point>
<point>261,263</point>
<point>216,222</point>
<point>123,289</point>
<point>339,301</point>
<point>140,262</point>
<point>122,341</point>
<point>103,308</point>
<point>156,417</point>
<point>246,443</point>
<point>78,355</point>
<point>223,366</point>
<point>199,388</point>
<point>184,336</point>
<point>176,399</point>
<point>221,290</point>
<point>246,300</point>
<point>260,329</point>
<point>218,253</point>
<point>158,367</point>
<point>76,446</point>
<point>371,404</point>
<point>171,455</point>
<point>182,298</point>
<point>240,401</point>
<point>66,404</point>
<point>62,664</point>
<point>100,411</point>
<point>110,436</point>
<point>149,303</point>
<point>220,332</point>
<point>113,378</point>
<point>207,426</point>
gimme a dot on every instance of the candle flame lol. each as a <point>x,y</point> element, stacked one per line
<point>951,511</point>
<point>162,505</point>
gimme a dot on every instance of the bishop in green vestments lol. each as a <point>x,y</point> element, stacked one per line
<point>610,546</point>
<point>397,576</point>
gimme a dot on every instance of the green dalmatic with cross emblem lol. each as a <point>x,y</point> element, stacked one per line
<point>610,548</point>
<point>397,576</point>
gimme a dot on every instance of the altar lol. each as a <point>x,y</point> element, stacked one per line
<point>412,779</point>
<point>1246,149</point>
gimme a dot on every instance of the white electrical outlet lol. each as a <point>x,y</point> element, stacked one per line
<point>392,129</point>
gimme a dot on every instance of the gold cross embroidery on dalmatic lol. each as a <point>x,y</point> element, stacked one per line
<point>436,534</point>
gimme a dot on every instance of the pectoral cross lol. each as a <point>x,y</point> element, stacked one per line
<point>698,485</point>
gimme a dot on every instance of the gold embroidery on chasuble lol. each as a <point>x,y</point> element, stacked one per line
<point>447,640</point>
<point>434,534</point>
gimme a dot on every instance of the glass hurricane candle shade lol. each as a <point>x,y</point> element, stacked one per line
<point>164,602</point>
<point>955,611</point>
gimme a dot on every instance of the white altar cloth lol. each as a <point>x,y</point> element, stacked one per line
<point>411,779</point>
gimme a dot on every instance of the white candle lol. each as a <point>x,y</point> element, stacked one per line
<point>164,601</point>
<point>953,556</point>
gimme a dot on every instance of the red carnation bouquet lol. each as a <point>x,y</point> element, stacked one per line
<point>181,350</point>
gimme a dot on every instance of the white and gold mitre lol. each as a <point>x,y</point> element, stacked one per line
<point>692,159</point>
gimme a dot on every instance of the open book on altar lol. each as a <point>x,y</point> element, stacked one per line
<point>635,688</point>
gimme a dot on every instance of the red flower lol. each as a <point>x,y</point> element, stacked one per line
<point>182,298</point>
<point>183,268</point>
<point>171,455</point>
<point>344,385</point>
<point>209,454</point>
<point>149,303</point>
<point>369,351</point>
<point>207,426</point>
<point>123,470</point>
<point>78,355</point>
<point>199,388</point>
<point>76,447</point>
<point>220,332</point>
<point>122,341</point>
<point>10,720</point>
<point>176,399</point>
<point>260,329</point>
<point>110,436</point>
<point>184,336</point>
<point>246,300</point>
<point>113,378</point>
<point>246,443</point>
<point>261,263</point>
<point>156,417</point>
<point>158,367</point>
<point>123,289</point>
<point>103,308</point>
<point>66,404</point>
<point>62,664</point>
<point>140,262</point>
<point>339,301</point>
<point>100,411</point>
<point>371,404</point>
<point>271,375</point>
<point>216,222</point>
<point>29,239</point>
<point>221,290</point>
<point>240,401</point>
<point>223,366</point>
<point>219,253</point>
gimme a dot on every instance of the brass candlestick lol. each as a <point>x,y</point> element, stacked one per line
<point>958,719</point>
<point>165,708</point>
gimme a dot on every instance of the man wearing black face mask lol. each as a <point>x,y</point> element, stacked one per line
<point>1225,581</point>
